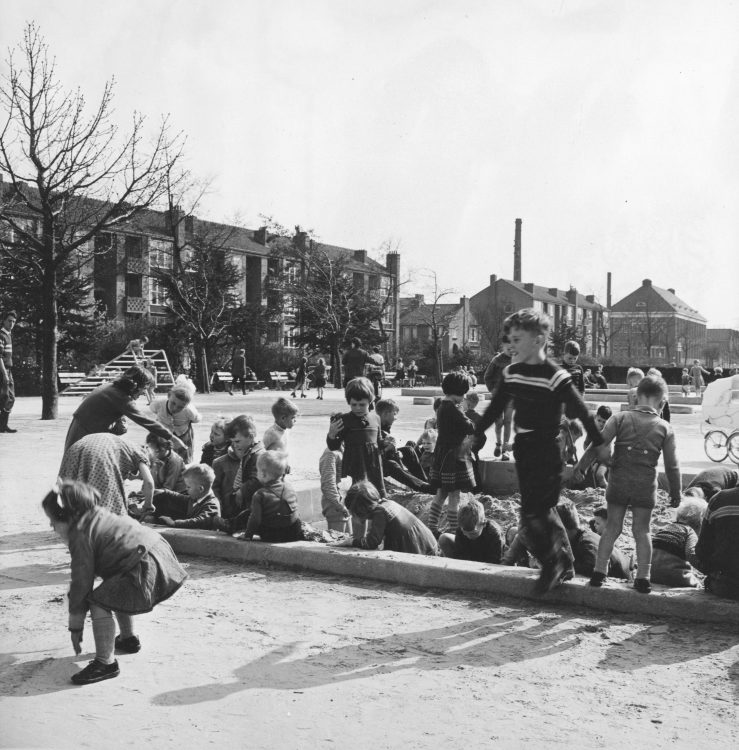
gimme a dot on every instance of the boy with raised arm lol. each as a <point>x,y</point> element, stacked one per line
<point>538,388</point>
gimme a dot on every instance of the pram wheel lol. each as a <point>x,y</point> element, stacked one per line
<point>715,443</point>
<point>733,447</point>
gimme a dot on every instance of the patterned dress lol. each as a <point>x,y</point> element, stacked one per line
<point>103,461</point>
<point>361,439</point>
<point>452,467</point>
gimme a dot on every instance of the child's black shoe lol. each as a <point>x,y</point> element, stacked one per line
<point>96,671</point>
<point>598,579</point>
<point>130,645</point>
<point>551,574</point>
<point>497,450</point>
<point>642,585</point>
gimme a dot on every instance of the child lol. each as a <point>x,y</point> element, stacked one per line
<point>538,387</point>
<point>286,415</point>
<point>319,378</point>
<point>598,470</point>
<point>469,407</point>
<point>167,467</point>
<point>633,377</point>
<point>599,520</point>
<point>431,422</point>
<point>301,378</point>
<point>697,375</point>
<point>412,372</point>
<point>665,412</point>
<point>403,466</point>
<point>492,377</point>
<point>569,362</point>
<point>178,413</point>
<point>400,373</point>
<point>151,387</point>
<point>136,347</point>
<point>685,382</point>
<point>195,508</point>
<point>452,469</point>
<point>425,448</point>
<point>674,545</point>
<point>217,444</point>
<point>334,511</point>
<point>360,433</point>
<point>640,436</point>
<point>138,568</point>
<point>274,506</point>
<point>477,538</point>
<point>236,474</point>
<point>393,526</point>
<point>599,378</point>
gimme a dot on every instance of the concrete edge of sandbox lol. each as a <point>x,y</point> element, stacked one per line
<point>455,575</point>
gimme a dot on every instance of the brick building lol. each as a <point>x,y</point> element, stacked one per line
<point>654,325</point>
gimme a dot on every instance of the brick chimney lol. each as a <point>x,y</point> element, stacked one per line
<point>493,279</point>
<point>300,238</point>
<point>646,282</point>
<point>590,298</point>
<point>517,252</point>
<point>417,301</point>
<point>528,287</point>
<point>572,295</point>
<point>671,291</point>
<point>360,256</point>
<point>553,291</point>
<point>260,235</point>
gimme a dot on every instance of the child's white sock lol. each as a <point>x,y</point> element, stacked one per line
<point>643,571</point>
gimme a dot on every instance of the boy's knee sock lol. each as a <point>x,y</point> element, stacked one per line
<point>434,513</point>
<point>643,570</point>
<point>125,624</point>
<point>103,630</point>
<point>451,519</point>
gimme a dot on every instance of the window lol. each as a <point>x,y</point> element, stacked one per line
<point>134,246</point>
<point>571,314</point>
<point>160,253</point>
<point>545,308</point>
<point>288,338</point>
<point>157,292</point>
<point>658,352</point>
<point>538,305</point>
<point>133,285</point>
<point>474,335</point>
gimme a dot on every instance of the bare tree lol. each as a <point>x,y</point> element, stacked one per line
<point>433,317</point>
<point>70,175</point>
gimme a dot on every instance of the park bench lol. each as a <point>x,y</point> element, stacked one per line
<point>281,380</point>
<point>224,378</point>
<point>69,378</point>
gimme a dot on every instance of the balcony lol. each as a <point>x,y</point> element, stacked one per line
<point>136,305</point>
<point>138,266</point>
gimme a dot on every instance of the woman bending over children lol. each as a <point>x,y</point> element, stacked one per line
<point>138,568</point>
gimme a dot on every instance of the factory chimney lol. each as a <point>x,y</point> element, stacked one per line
<point>608,290</point>
<point>517,252</point>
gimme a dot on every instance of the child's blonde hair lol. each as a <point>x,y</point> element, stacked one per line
<point>70,500</point>
<point>431,435</point>
<point>243,425</point>
<point>272,464</point>
<point>203,473</point>
<point>632,373</point>
<point>183,388</point>
<point>472,398</point>
<point>470,514</point>
<point>691,511</point>
<point>283,408</point>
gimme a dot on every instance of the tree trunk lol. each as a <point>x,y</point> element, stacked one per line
<point>49,337</point>
<point>204,373</point>
<point>336,369</point>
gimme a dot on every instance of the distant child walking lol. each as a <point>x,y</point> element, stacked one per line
<point>138,568</point>
<point>538,388</point>
<point>319,378</point>
<point>452,470</point>
<point>640,436</point>
<point>493,376</point>
<point>177,412</point>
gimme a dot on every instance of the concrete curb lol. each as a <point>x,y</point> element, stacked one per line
<point>455,575</point>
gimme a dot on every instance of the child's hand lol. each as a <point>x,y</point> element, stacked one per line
<point>76,640</point>
<point>166,520</point>
<point>336,426</point>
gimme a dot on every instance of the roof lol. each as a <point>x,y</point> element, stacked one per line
<point>542,294</point>
<point>420,315</point>
<point>658,299</point>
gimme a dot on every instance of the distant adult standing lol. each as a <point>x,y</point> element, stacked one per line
<point>301,378</point>
<point>376,372</point>
<point>238,372</point>
<point>7,386</point>
<point>354,361</point>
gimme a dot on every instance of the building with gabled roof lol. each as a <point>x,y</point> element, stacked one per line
<point>654,325</point>
<point>455,323</point>
<point>492,305</point>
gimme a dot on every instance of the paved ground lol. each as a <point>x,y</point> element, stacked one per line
<point>263,658</point>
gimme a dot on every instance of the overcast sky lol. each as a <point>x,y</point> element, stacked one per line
<point>608,127</point>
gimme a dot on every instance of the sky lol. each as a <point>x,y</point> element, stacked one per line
<point>608,127</point>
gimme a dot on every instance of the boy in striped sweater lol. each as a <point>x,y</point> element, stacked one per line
<point>538,388</point>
